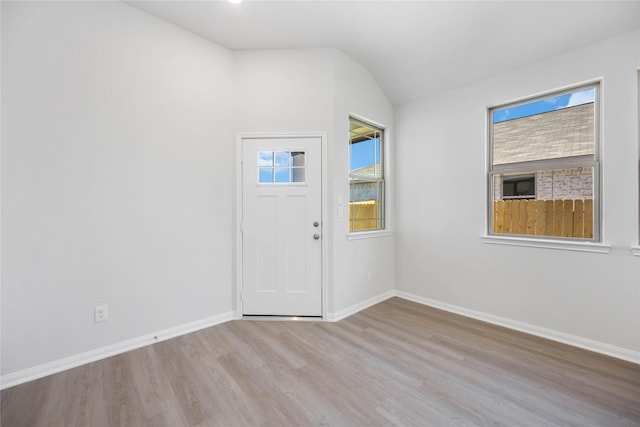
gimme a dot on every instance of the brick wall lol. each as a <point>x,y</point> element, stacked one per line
<point>575,183</point>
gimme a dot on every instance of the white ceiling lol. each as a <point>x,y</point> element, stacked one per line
<point>412,48</point>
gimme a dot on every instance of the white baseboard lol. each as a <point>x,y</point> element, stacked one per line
<point>49,368</point>
<point>573,340</point>
<point>339,315</point>
<point>30,374</point>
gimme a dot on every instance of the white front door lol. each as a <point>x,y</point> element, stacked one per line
<point>281,226</point>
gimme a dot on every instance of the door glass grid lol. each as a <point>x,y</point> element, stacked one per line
<point>281,167</point>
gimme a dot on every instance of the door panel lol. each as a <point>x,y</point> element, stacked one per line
<point>281,258</point>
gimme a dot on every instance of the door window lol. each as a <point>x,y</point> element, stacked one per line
<point>278,167</point>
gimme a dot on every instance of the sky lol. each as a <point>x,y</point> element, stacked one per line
<point>362,153</point>
<point>544,105</point>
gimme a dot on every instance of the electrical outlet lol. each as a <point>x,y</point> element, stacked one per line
<point>101,313</point>
<point>370,276</point>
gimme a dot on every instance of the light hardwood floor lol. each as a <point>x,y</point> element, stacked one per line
<point>397,363</point>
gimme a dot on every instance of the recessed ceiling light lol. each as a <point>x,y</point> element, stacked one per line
<point>235,1</point>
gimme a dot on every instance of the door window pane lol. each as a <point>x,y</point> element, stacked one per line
<point>265,158</point>
<point>265,175</point>
<point>283,158</point>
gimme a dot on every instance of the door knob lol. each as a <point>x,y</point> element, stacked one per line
<point>316,236</point>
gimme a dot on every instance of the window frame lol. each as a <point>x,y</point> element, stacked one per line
<point>380,182</point>
<point>532,167</point>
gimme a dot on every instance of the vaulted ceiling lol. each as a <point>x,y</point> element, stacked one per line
<point>412,48</point>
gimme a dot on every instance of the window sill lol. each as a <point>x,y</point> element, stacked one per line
<point>635,250</point>
<point>368,234</point>
<point>549,244</point>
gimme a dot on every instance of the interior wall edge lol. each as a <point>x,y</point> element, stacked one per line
<point>353,309</point>
<point>50,368</point>
<point>562,337</point>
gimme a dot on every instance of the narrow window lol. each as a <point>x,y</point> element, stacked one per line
<point>366,176</point>
<point>544,166</point>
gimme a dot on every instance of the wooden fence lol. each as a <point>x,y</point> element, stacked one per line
<point>364,215</point>
<point>564,218</point>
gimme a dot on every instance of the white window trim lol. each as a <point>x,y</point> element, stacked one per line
<point>368,234</point>
<point>566,245</point>
<point>594,245</point>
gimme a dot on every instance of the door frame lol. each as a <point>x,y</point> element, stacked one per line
<point>241,136</point>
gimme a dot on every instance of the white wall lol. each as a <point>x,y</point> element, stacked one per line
<point>287,90</point>
<point>441,207</point>
<point>356,92</point>
<point>117,178</point>
<point>118,172</point>
<point>315,90</point>
<point>118,183</point>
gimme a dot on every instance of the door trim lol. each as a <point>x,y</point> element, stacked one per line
<point>326,225</point>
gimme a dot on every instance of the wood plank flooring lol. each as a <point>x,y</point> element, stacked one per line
<point>397,363</point>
